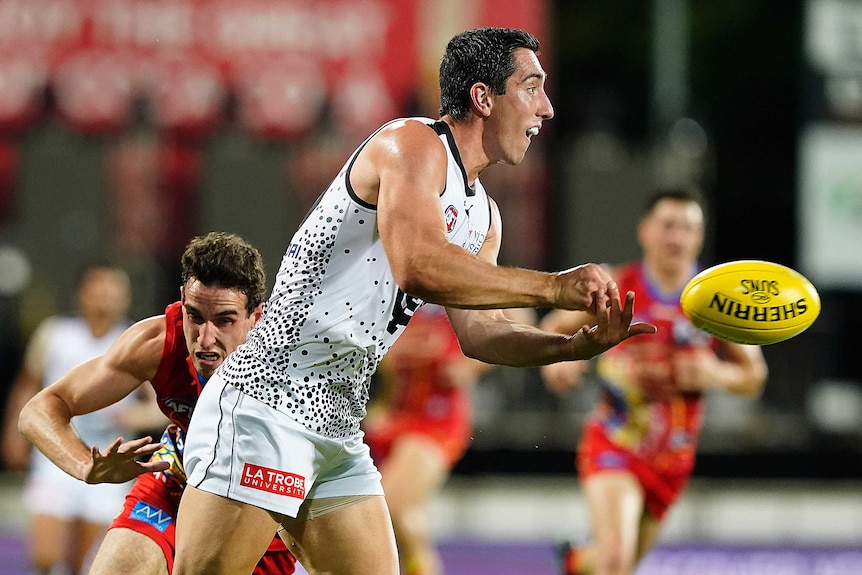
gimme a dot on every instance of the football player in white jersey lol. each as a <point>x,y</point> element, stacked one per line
<point>68,517</point>
<point>405,222</point>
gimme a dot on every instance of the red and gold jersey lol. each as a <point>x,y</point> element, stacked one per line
<point>641,409</point>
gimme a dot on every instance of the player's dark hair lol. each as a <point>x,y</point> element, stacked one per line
<point>228,261</point>
<point>679,194</point>
<point>480,55</point>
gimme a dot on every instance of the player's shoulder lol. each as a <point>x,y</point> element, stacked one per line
<point>146,336</point>
<point>49,325</point>
<point>416,124</point>
<point>408,134</point>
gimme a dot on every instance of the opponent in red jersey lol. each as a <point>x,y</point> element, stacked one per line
<point>638,448</point>
<point>420,427</point>
<point>221,299</point>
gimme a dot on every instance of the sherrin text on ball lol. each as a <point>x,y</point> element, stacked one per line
<point>751,301</point>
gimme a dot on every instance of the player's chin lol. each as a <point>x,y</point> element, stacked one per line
<point>204,368</point>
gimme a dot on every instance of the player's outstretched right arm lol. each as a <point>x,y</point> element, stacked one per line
<point>46,420</point>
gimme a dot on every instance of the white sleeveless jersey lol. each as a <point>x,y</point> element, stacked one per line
<point>64,342</point>
<point>335,308</point>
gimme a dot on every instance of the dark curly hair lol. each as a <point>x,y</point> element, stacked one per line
<point>228,261</point>
<point>479,55</point>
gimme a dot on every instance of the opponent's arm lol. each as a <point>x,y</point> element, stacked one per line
<point>46,419</point>
<point>560,377</point>
<point>28,382</point>
<point>738,369</point>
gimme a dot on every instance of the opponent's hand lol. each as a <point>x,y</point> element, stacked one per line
<point>562,376</point>
<point>119,463</point>
<point>578,286</point>
<point>613,323</point>
<point>695,369</point>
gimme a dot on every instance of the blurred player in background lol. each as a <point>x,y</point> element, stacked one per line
<point>67,516</point>
<point>223,285</point>
<point>406,221</point>
<point>420,425</point>
<point>638,447</point>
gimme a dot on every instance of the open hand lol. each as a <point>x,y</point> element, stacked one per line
<point>613,323</point>
<point>119,463</point>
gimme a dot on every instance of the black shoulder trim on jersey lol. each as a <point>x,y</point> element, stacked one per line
<point>442,129</point>
<point>350,190</point>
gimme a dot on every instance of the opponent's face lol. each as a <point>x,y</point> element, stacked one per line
<point>215,322</point>
<point>671,236</point>
<point>517,115</point>
<point>104,295</point>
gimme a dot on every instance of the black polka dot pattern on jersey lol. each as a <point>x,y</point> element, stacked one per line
<point>336,309</point>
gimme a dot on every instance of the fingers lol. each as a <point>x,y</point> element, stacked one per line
<point>114,447</point>
<point>642,328</point>
<point>135,447</point>
<point>614,317</point>
<point>608,313</point>
<point>155,466</point>
<point>601,302</point>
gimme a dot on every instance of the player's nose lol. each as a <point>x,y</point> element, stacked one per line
<point>207,334</point>
<point>546,111</point>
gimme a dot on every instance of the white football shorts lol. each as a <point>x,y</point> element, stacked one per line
<point>242,449</point>
<point>51,491</point>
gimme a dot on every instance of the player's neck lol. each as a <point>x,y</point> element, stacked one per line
<point>468,138</point>
<point>99,326</point>
<point>667,279</point>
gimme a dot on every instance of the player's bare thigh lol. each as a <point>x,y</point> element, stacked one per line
<point>216,535</point>
<point>50,540</point>
<point>354,540</point>
<point>128,552</point>
<point>415,468</point>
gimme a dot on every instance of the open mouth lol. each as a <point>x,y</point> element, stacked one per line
<point>534,131</point>
<point>207,356</point>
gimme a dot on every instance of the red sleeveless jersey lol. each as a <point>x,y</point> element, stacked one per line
<point>176,381</point>
<point>643,423</point>
<point>151,504</point>
<point>426,402</point>
<point>644,413</point>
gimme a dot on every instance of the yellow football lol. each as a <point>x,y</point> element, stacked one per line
<point>751,301</point>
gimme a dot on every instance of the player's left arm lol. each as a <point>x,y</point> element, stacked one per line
<point>493,337</point>
<point>736,368</point>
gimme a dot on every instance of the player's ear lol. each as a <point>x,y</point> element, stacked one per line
<point>641,232</point>
<point>257,312</point>
<point>482,99</point>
